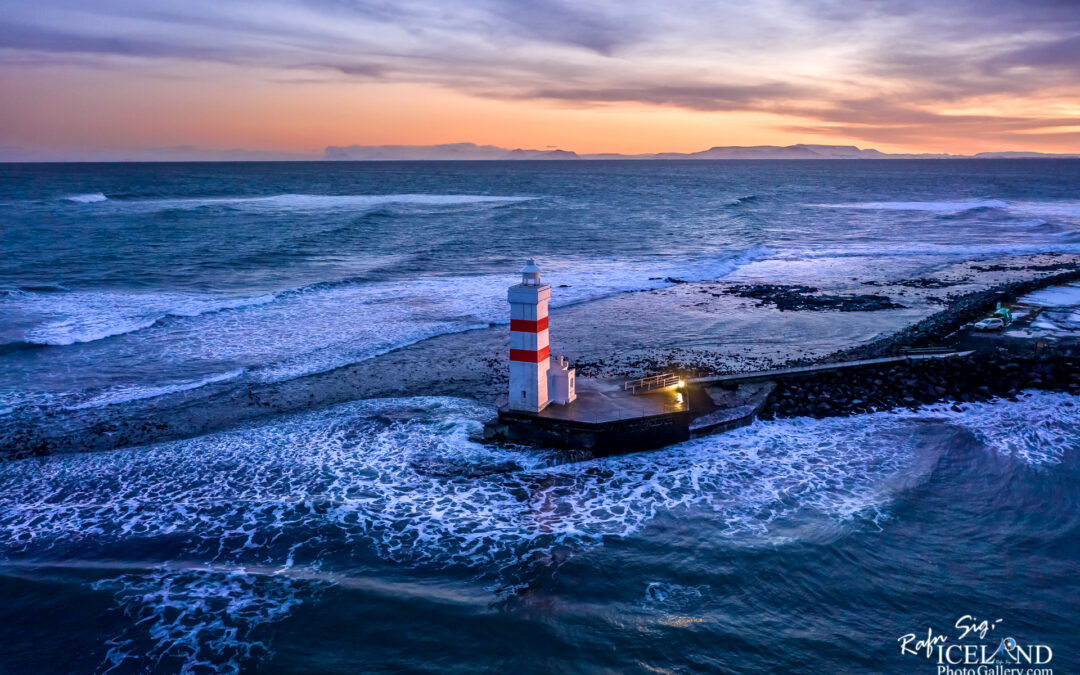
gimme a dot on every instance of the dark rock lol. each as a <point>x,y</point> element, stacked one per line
<point>808,298</point>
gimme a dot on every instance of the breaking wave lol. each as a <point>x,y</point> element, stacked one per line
<point>738,201</point>
<point>1039,428</point>
<point>125,393</point>
<point>314,328</point>
<point>940,206</point>
<point>315,202</point>
<point>89,316</point>
<point>89,198</point>
<point>1058,209</point>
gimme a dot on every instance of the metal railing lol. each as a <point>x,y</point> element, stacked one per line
<point>926,350</point>
<point>651,383</point>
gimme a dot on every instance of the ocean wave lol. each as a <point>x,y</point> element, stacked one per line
<point>87,316</point>
<point>315,491</point>
<point>327,325</point>
<point>315,202</point>
<point>161,337</point>
<point>345,322</point>
<point>1068,209</point>
<point>935,206</point>
<point>1055,209</point>
<point>126,393</point>
<point>1039,428</point>
<point>70,331</point>
<point>35,288</point>
<point>738,201</point>
<point>88,198</point>
<point>958,251</point>
<point>20,346</point>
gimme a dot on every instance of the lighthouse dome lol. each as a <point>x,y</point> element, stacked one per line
<point>530,274</point>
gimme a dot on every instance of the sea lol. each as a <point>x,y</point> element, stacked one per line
<point>330,540</point>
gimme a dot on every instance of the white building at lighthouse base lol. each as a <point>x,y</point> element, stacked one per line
<point>561,381</point>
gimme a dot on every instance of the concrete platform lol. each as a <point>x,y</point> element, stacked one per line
<point>736,406</point>
<point>600,401</point>
<point>604,419</point>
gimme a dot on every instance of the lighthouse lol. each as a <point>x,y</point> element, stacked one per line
<point>544,407</point>
<point>530,355</point>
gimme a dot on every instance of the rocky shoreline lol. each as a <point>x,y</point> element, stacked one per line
<point>809,298</point>
<point>945,324</point>
<point>993,369</point>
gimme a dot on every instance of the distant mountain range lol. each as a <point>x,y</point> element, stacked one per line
<point>471,151</point>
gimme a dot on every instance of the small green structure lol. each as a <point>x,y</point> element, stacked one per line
<point>1004,313</point>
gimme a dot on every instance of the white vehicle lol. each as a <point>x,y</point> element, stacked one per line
<point>992,323</point>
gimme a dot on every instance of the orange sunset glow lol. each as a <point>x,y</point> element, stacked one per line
<point>290,78</point>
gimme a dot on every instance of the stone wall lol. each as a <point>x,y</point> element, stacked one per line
<point>982,376</point>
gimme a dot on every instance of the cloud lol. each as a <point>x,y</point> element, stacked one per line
<point>924,135</point>
<point>874,70</point>
<point>706,97</point>
<point>364,70</point>
<point>568,23</point>
<point>1053,54</point>
<point>23,38</point>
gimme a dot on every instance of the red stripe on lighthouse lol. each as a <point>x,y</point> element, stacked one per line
<point>526,326</point>
<point>529,356</point>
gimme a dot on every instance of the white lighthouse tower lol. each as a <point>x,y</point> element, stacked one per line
<point>530,355</point>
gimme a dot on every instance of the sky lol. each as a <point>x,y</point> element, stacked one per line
<point>101,78</point>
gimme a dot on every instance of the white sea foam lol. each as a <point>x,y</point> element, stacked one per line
<point>161,337</point>
<point>324,326</point>
<point>1056,209</point>
<point>1065,208</point>
<point>335,326</point>
<point>316,490</point>
<point>350,469</point>
<point>1040,428</point>
<point>10,401</point>
<point>125,393</point>
<point>86,316</point>
<point>959,251</point>
<point>669,596</point>
<point>738,201</point>
<point>198,620</point>
<point>89,198</point>
<point>309,202</point>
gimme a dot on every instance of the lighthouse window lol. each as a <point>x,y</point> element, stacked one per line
<point>522,395</point>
